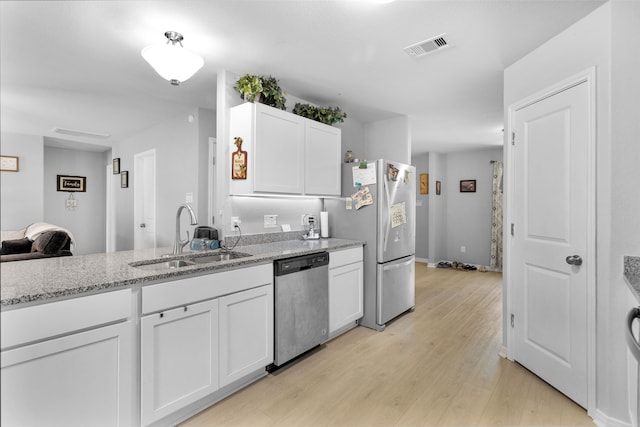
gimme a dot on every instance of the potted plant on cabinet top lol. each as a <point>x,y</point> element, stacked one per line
<point>265,90</point>
<point>328,116</point>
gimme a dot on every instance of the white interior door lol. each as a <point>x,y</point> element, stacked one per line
<point>111,213</point>
<point>144,193</point>
<point>551,219</point>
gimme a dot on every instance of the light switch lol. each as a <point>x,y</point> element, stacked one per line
<point>188,197</point>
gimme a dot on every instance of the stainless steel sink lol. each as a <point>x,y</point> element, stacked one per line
<point>165,265</point>
<point>186,262</point>
<point>205,259</point>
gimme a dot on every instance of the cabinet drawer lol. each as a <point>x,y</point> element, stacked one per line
<point>38,322</point>
<point>176,293</point>
<point>344,257</point>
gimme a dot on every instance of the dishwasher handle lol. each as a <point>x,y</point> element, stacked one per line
<point>634,345</point>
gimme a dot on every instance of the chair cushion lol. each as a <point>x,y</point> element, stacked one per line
<point>50,242</point>
<point>16,246</point>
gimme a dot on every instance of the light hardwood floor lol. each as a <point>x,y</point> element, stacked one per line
<point>436,366</point>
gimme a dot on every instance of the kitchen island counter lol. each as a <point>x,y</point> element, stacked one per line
<point>37,281</point>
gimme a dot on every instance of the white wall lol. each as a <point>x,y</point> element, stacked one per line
<point>437,207</point>
<point>421,163</point>
<point>22,193</point>
<point>625,179</point>
<point>469,214</point>
<point>88,221</point>
<point>388,139</point>
<point>608,39</point>
<point>180,148</point>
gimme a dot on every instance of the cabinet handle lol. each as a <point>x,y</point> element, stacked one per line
<point>161,315</point>
<point>185,308</point>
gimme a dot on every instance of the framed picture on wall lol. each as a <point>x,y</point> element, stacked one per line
<point>124,179</point>
<point>9,163</point>
<point>71,183</point>
<point>468,186</point>
<point>424,183</point>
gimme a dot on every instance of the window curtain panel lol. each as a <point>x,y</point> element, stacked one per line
<point>496,217</point>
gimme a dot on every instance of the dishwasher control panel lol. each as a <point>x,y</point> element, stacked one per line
<point>300,263</point>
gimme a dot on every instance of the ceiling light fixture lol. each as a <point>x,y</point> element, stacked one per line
<point>171,60</point>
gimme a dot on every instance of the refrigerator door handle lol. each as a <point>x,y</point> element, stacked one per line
<point>396,266</point>
<point>387,224</point>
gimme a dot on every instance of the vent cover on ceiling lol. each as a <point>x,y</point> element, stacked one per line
<point>75,132</point>
<point>425,47</point>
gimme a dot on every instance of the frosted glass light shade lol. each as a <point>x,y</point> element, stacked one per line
<point>172,61</point>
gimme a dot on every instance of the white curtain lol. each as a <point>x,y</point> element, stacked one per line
<point>496,217</point>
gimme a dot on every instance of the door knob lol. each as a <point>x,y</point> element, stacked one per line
<point>574,260</point>
<point>143,225</point>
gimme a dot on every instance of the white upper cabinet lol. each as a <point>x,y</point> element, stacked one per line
<point>286,153</point>
<point>322,168</point>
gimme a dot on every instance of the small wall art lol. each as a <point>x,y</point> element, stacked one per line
<point>468,186</point>
<point>124,179</point>
<point>424,183</point>
<point>71,183</point>
<point>9,163</point>
<point>238,161</point>
<point>438,188</point>
<point>116,166</point>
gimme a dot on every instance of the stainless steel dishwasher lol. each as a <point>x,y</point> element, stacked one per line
<point>301,298</point>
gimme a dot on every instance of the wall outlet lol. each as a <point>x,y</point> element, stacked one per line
<point>188,197</point>
<point>235,220</point>
<point>270,221</point>
<point>463,249</point>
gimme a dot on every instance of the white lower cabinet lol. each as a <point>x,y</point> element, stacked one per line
<point>346,279</point>
<point>199,334</point>
<point>246,333</point>
<point>77,379</point>
<point>179,358</point>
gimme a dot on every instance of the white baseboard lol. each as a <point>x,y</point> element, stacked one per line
<point>603,420</point>
<point>504,352</point>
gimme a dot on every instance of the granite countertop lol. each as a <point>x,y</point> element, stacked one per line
<point>35,281</point>
<point>632,274</point>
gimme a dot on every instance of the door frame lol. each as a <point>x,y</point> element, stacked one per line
<point>110,244</point>
<point>137,193</point>
<point>587,77</point>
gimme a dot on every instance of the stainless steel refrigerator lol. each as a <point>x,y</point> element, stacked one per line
<point>385,219</point>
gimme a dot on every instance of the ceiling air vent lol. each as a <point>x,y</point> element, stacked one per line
<point>425,47</point>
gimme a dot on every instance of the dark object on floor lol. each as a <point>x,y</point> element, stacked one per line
<point>443,264</point>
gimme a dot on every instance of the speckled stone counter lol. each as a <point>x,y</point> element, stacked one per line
<point>36,281</point>
<point>632,273</point>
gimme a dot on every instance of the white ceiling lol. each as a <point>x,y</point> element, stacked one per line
<point>77,64</point>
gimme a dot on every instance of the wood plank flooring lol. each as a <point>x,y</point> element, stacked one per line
<point>436,366</point>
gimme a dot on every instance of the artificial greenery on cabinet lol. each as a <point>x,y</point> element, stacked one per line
<point>328,116</point>
<point>263,89</point>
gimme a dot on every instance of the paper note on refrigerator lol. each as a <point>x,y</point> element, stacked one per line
<point>398,214</point>
<point>366,176</point>
<point>362,198</point>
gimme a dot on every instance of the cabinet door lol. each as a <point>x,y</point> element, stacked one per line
<point>345,295</point>
<point>84,379</point>
<point>179,358</point>
<point>279,151</point>
<point>322,173</point>
<point>246,333</point>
